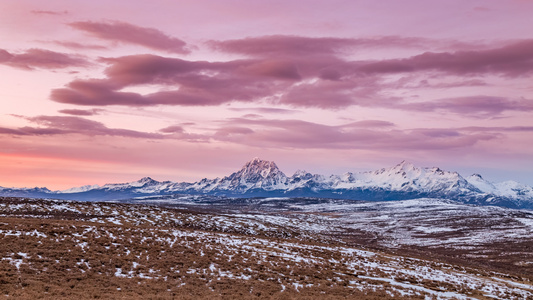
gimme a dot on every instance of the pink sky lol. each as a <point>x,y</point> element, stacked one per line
<point>110,91</point>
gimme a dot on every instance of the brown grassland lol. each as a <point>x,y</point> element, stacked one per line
<point>77,250</point>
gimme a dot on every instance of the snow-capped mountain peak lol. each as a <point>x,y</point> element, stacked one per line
<point>259,167</point>
<point>80,189</point>
<point>301,173</point>
<point>477,176</point>
<point>257,173</point>
<point>481,184</point>
<point>400,172</point>
<point>146,181</point>
<point>404,166</point>
<point>261,178</point>
<point>406,177</point>
<point>508,188</point>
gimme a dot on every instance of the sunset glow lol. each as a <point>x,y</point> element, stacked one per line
<point>94,92</point>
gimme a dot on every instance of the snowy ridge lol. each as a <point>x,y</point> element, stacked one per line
<point>507,188</point>
<point>260,178</point>
<point>402,177</point>
<point>80,189</point>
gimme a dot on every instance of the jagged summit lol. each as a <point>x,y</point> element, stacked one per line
<point>405,165</point>
<point>146,180</point>
<point>301,173</point>
<point>256,160</point>
<point>477,176</point>
<point>260,167</point>
<point>257,173</point>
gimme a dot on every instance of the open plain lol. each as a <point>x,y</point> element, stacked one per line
<point>186,248</point>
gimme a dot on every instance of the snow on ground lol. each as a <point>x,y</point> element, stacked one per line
<point>282,242</point>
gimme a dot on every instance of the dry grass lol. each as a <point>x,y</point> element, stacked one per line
<point>66,250</point>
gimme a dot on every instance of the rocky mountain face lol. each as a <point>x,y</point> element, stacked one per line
<point>260,178</point>
<point>257,174</point>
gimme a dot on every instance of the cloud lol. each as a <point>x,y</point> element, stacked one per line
<point>371,124</point>
<point>446,85</point>
<point>297,46</point>
<point>371,134</point>
<point>49,12</point>
<point>200,83</point>
<point>78,46</point>
<point>42,59</point>
<point>85,126</point>
<point>482,106</point>
<point>515,59</point>
<point>65,125</point>
<point>147,68</point>
<point>283,134</point>
<point>5,56</point>
<point>274,68</point>
<point>100,94</point>
<point>81,112</point>
<point>225,133</point>
<point>153,69</point>
<point>298,80</point>
<point>498,129</point>
<point>266,110</point>
<point>97,93</point>
<point>131,34</point>
<point>179,133</point>
<point>11,131</point>
<point>59,125</point>
<point>328,94</point>
<point>172,129</point>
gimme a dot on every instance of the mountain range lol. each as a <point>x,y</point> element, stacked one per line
<point>260,178</point>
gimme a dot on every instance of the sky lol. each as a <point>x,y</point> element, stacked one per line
<point>96,92</point>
